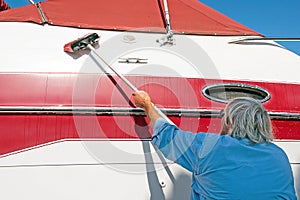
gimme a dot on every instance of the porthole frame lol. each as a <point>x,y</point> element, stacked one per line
<point>239,86</point>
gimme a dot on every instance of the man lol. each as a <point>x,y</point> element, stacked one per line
<point>239,163</point>
<point>3,5</point>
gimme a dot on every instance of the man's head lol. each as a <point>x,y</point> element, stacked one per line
<point>247,118</point>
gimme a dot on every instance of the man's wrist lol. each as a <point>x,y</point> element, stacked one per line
<point>148,105</point>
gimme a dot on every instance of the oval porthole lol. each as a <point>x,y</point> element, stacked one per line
<point>223,92</point>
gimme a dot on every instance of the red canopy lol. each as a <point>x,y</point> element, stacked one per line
<point>3,5</point>
<point>187,16</point>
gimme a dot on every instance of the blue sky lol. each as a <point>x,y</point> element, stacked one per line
<point>272,18</point>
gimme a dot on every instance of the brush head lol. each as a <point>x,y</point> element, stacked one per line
<point>81,43</point>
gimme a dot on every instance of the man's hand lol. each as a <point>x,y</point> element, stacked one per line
<point>142,99</point>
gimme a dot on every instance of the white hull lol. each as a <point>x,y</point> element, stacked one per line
<point>77,170</point>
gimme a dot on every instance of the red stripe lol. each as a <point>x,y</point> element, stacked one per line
<point>23,131</point>
<point>98,90</point>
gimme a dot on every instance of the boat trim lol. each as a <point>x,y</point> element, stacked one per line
<point>124,111</point>
<point>265,38</point>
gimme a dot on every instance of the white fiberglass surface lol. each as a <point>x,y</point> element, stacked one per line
<point>27,47</point>
<point>98,168</point>
<point>92,170</point>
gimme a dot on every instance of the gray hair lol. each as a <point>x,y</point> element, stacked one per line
<point>246,118</point>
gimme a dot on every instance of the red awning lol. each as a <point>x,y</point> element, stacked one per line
<point>187,16</point>
<point>3,5</point>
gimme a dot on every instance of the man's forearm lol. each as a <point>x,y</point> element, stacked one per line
<point>143,100</point>
<point>152,114</point>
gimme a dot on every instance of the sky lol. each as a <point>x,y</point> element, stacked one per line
<point>272,18</point>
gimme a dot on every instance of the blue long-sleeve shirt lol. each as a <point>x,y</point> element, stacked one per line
<point>224,167</point>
